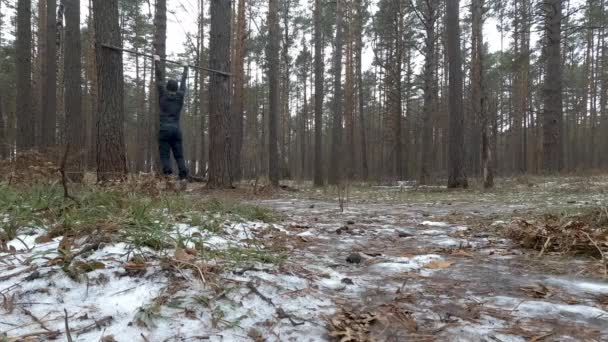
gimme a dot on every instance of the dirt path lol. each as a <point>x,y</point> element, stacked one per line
<point>420,278</point>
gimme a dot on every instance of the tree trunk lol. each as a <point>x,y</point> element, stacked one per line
<point>477,92</point>
<point>336,144</point>
<point>160,49</point>
<point>361,103</point>
<point>349,101</point>
<point>426,155</point>
<point>552,90</point>
<point>273,80</point>
<point>239,85</point>
<point>25,128</point>
<point>220,175</point>
<point>456,157</point>
<point>202,91</point>
<point>111,155</point>
<point>73,93</point>
<point>318,171</point>
<point>49,101</point>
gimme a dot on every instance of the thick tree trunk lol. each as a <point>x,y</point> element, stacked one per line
<point>426,155</point>
<point>349,103</point>
<point>318,170</point>
<point>73,93</point>
<point>477,92</point>
<point>220,175</point>
<point>552,90</point>
<point>49,101</point>
<point>273,81</point>
<point>239,86</point>
<point>336,144</point>
<point>25,128</point>
<point>361,103</point>
<point>456,155</point>
<point>111,155</point>
<point>160,49</point>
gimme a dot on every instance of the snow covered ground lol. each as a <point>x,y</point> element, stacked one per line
<point>412,275</point>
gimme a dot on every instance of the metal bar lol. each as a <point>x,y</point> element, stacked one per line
<point>227,74</point>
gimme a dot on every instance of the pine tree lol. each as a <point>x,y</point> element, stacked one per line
<point>220,175</point>
<point>111,154</point>
<point>25,135</point>
<point>456,154</point>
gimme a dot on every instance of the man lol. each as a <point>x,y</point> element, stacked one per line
<point>171,101</point>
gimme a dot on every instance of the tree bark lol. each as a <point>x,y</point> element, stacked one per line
<point>552,90</point>
<point>429,16</point>
<point>239,86</point>
<point>477,93</point>
<point>160,49</point>
<point>336,144</point>
<point>361,104</point>
<point>456,157</point>
<point>25,128</point>
<point>111,155</point>
<point>73,92</point>
<point>220,175</point>
<point>318,170</point>
<point>49,101</point>
<point>273,80</point>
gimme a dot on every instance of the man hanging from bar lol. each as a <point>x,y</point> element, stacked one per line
<point>171,101</point>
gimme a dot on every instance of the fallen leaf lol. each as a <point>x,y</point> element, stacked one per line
<point>462,253</point>
<point>438,264</point>
<point>181,255</point>
<point>43,239</point>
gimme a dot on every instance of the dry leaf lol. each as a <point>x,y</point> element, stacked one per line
<point>462,253</point>
<point>181,255</point>
<point>438,264</point>
<point>537,291</point>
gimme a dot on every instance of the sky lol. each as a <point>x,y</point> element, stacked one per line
<point>187,23</point>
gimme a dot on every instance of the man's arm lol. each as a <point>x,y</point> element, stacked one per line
<point>182,86</point>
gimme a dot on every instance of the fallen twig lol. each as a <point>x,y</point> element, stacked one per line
<point>36,319</point>
<point>67,326</point>
<point>251,286</point>
<point>64,178</point>
<point>602,254</point>
<point>48,334</point>
<point>96,324</point>
<point>542,251</point>
<point>9,276</point>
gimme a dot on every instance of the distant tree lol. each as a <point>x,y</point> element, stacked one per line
<point>318,169</point>
<point>335,168</point>
<point>428,14</point>
<point>273,93</point>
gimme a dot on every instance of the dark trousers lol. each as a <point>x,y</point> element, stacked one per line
<point>170,140</point>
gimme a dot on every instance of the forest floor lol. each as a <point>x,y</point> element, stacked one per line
<point>524,262</point>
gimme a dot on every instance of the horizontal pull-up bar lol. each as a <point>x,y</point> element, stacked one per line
<point>166,60</point>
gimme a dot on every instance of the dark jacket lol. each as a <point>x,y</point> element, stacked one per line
<point>171,102</point>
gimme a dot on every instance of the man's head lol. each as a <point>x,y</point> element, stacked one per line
<point>172,85</point>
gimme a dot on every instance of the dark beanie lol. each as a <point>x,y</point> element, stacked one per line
<point>172,85</point>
